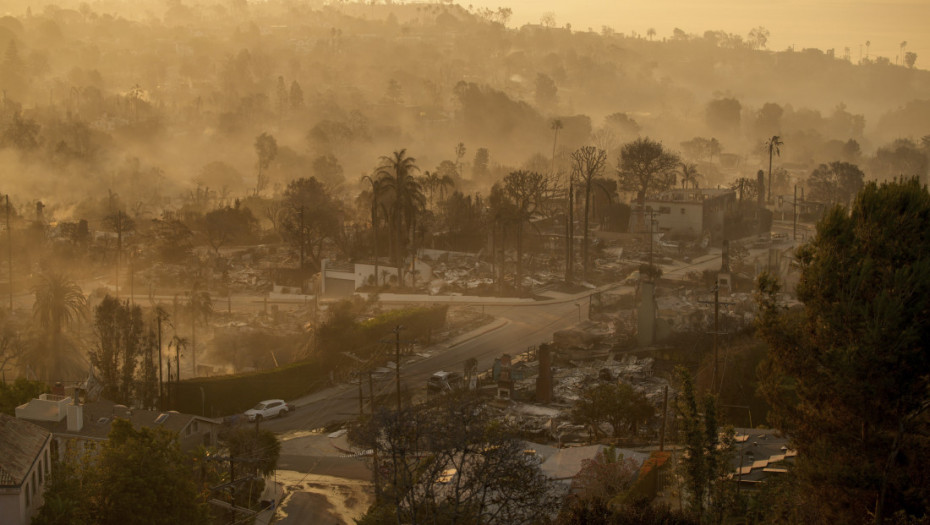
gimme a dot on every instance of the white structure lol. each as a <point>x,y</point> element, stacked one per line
<point>25,464</point>
<point>85,426</point>
<point>690,213</point>
<point>342,279</point>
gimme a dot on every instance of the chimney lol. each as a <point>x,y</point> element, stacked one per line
<point>725,257</point>
<point>544,381</point>
<point>75,418</point>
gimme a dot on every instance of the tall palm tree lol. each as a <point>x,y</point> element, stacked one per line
<point>689,174</point>
<point>396,172</point>
<point>556,125</point>
<point>377,194</point>
<point>774,145</point>
<point>200,307</point>
<point>59,301</point>
<point>445,181</point>
<point>430,181</point>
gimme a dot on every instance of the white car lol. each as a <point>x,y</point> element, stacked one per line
<point>268,408</point>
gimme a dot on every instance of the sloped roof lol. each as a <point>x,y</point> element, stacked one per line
<point>98,417</point>
<point>21,442</point>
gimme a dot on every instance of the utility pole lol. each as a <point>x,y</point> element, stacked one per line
<point>161,400</point>
<point>361,404</point>
<point>716,332</point>
<point>795,236</point>
<point>371,394</point>
<point>301,236</point>
<point>397,330</point>
<point>193,337</point>
<point>570,230</point>
<point>119,245</point>
<point>664,416</point>
<point>9,239</point>
<point>652,222</point>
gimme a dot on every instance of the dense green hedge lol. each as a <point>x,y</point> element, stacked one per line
<point>232,394</point>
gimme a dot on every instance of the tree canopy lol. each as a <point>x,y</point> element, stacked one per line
<point>139,477</point>
<point>646,166</point>
<point>848,375</point>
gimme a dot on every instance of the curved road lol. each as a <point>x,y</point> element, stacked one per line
<point>516,328</point>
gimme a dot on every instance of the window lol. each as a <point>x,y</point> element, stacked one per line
<point>28,500</point>
<point>665,210</point>
<point>33,483</point>
<point>194,425</point>
<point>47,458</point>
<point>682,211</point>
<point>42,460</point>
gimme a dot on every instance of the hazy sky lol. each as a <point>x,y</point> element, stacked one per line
<point>804,23</point>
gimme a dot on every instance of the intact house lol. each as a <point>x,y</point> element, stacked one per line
<point>710,215</point>
<point>83,427</point>
<point>691,213</point>
<point>25,464</point>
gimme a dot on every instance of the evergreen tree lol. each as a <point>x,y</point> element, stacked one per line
<point>848,375</point>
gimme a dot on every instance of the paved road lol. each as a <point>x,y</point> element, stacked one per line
<point>517,328</point>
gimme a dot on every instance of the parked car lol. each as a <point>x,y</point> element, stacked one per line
<point>441,382</point>
<point>268,408</point>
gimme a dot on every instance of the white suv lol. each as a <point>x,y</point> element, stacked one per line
<point>266,409</point>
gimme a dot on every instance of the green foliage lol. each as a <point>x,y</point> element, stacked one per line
<point>835,183</point>
<point>227,225</point>
<point>311,216</point>
<point>848,375</point>
<point>258,451</point>
<point>707,451</point>
<point>170,240</point>
<point>605,477</point>
<point>233,394</point>
<point>18,392</point>
<point>615,403</point>
<point>645,166</point>
<point>52,354</point>
<point>139,477</point>
<point>120,331</point>
<point>343,332</point>
<point>492,480</point>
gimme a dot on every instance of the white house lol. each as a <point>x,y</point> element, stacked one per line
<point>25,464</point>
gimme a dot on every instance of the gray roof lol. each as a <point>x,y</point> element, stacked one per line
<point>762,452</point>
<point>98,417</point>
<point>21,442</point>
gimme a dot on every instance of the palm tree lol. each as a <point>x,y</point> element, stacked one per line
<point>774,146</point>
<point>556,126</point>
<point>714,148</point>
<point>689,173</point>
<point>200,306</point>
<point>396,173</point>
<point>377,192</point>
<point>58,302</point>
<point>430,181</point>
<point>445,181</point>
